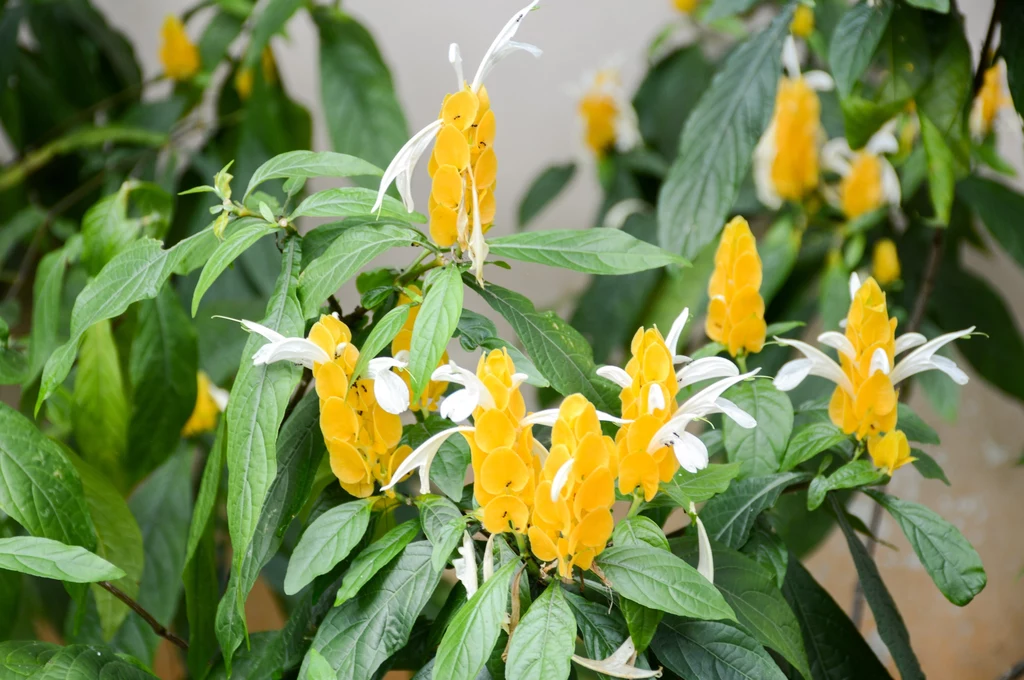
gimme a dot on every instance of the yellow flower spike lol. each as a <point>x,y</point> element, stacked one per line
<point>607,115</point>
<point>346,463</point>
<point>448,187</point>
<point>686,6</point>
<point>891,451</point>
<point>736,311</point>
<point>503,471</point>
<point>542,544</point>
<point>451,149</point>
<point>210,402</point>
<point>460,109</point>
<point>243,83</point>
<point>885,262</point>
<point>861,190</point>
<point>179,56</point>
<point>803,22</point>
<point>444,229</point>
<point>867,179</point>
<point>485,170</point>
<point>506,513</point>
<point>992,99</point>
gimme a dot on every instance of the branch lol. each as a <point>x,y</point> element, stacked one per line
<point>157,627</point>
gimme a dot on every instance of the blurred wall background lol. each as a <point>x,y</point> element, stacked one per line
<point>536,119</point>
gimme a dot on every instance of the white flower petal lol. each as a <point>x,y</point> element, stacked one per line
<point>617,215</point>
<point>822,365</point>
<point>792,374</point>
<point>401,167</point>
<point>253,327</point>
<point>690,451</point>
<point>884,141</point>
<point>391,392</point>
<point>949,367</point>
<point>742,418</point>
<point>706,369</point>
<point>539,451</point>
<point>676,331</point>
<point>703,403</point>
<point>764,158</point>
<point>890,183</point>
<point>455,59</point>
<point>705,560</point>
<point>854,284</point>
<point>489,559</point>
<point>465,566</point>
<point>909,341</point>
<point>924,359</point>
<point>819,81</point>
<point>560,478</point>
<point>546,418</point>
<point>296,350</point>
<point>616,375</point>
<point>459,406</point>
<point>838,341</point>
<point>617,665</point>
<point>478,247</point>
<point>836,155</point>
<point>879,362</point>
<point>219,396</point>
<point>790,58</point>
<point>518,379</point>
<point>655,398</point>
<point>422,457</point>
<point>503,45</point>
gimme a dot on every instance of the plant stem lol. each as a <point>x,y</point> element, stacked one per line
<point>634,507</point>
<point>418,268</point>
<point>157,627</point>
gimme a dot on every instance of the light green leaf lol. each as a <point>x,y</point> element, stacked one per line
<point>119,541</point>
<point>272,19</point>
<point>363,115</point>
<point>834,645</point>
<point>934,5</point>
<point>100,412</point>
<point>891,627</point>
<point>106,229</point>
<point>855,474</point>
<point>729,517</point>
<point>326,542</point>
<point>317,667</point>
<point>855,40</point>
<point>375,557</point>
<point>721,9</point>
<point>39,488</point>
<point>384,331</point>
<point>559,351</point>
<point>24,657</point>
<point>948,558</point>
<point>544,189</point>
<point>601,629</point>
<point>808,441</point>
<point>245,232</point>
<point>660,580</point>
<point>928,466</point>
<point>718,140</point>
<point>46,298</point>
<point>998,207</point>
<point>475,628</point>
<point>767,549</point>
<point>354,248</point>
<point>209,486</point>
<point>217,37</point>
<point>443,524</point>
<point>255,410</point>
<point>941,173</point>
<point>916,429</point>
<point>545,639</point>
<point>307,164</point>
<point>357,637</point>
<point>778,250</point>
<point>45,661</point>
<point>202,591</point>
<point>354,202</point>
<point>759,450</point>
<point>46,558</point>
<point>712,650</point>
<point>163,365</point>
<point>696,487</point>
<point>641,621</point>
<point>435,324</point>
<point>591,251</point>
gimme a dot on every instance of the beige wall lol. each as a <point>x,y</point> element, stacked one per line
<point>536,127</point>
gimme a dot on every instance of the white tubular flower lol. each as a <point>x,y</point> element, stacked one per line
<point>619,664</point>
<point>488,568</point>
<point>503,45</point>
<point>478,247</point>
<point>219,396</point>
<point>549,416</point>
<point>676,332</point>
<point>705,559</point>
<point>560,479</point>
<point>460,405</point>
<point>421,459</point>
<point>689,450</point>
<point>620,377</point>
<point>606,114</point>
<point>389,390</point>
<point>924,358</point>
<point>619,213</point>
<point>868,180</point>
<point>465,566</point>
<point>815,362</point>
<point>706,369</point>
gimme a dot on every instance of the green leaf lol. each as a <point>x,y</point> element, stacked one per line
<point>106,229</point>
<point>354,248</point>
<point>363,115</point>
<point>891,627</point>
<point>435,324</point>
<point>559,351</point>
<point>162,506</point>
<point>307,164</point>
<point>834,645</point>
<point>255,410</point>
<point>721,9</point>
<point>778,250</point>
<point>947,96</point>
<point>475,628</point>
<point>217,37</point>
<point>998,207</point>
<point>300,449</point>
<point>808,441</point>
<point>163,365</point>
<point>521,361</point>
<point>591,251</point>
<point>934,5</point>
<point>119,541</point>
<point>354,202</point>
<point>718,140</point>
<point>39,488</point>
<point>357,637</point>
<point>474,329</point>
<point>202,590</point>
<point>941,177</point>
<point>602,629</point>
<point>326,542</point>
<point>44,661</point>
<point>272,19</point>
<point>768,550</point>
<point>544,640</point>
<point>46,299</point>
<point>246,232</point>
<point>642,622</point>
<point>712,650</point>
<point>375,557</point>
<point>928,466</point>
<point>24,657</point>
<point>1011,20</point>
<point>443,524</point>
<point>759,450</point>
<point>949,559</point>
<point>696,487</point>
<point>855,40</point>
<point>384,331</point>
<point>544,189</point>
<point>209,486</point>
<point>855,474</point>
<point>100,412</point>
<point>729,517</point>
<point>639,530</point>
<point>318,668</point>
<point>46,558</point>
<point>660,580</point>
<point>914,426</point>
<point>448,471</point>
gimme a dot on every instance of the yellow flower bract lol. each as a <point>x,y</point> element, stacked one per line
<point>992,97</point>
<point>736,310</point>
<point>204,415</point>
<point>872,408</point>
<point>798,135</point>
<point>686,6</point>
<point>599,111</point>
<point>885,262</point>
<point>861,190</point>
<point>803,22</point>
<point>362,438</point>
<point>179,56</point>
<point>463,157</point>
<point>891,451</point>
<point>575,527</point>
